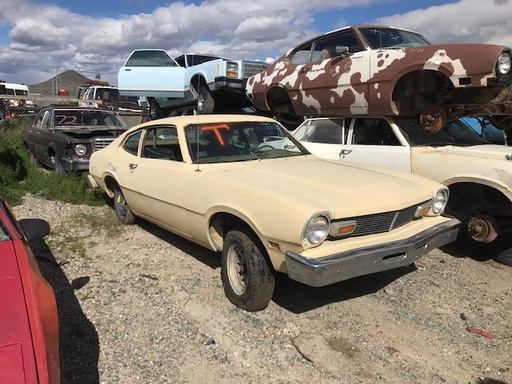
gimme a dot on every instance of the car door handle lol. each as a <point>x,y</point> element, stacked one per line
<point>345,152</point>
<point>133,165</point>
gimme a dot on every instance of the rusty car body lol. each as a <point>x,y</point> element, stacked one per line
<point>380,70</point>
<point>29,340</point>
<point>478,172</point>
<point>241,185</point>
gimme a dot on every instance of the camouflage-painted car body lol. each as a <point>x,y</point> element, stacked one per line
<point>384,71</point>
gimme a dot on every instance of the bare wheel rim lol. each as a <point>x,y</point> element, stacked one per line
<point>236,269</point>
<point>201,100</point>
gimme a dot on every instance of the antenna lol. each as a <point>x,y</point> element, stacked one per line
<point>196,112</point>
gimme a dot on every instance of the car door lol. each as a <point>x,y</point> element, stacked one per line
<point>156,185</point>
<point>36,136</point>
<point>375,141</point>
<point>334,79</point>
<point>151,73</point>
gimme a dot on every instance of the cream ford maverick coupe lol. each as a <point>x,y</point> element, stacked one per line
<point>243,186</point>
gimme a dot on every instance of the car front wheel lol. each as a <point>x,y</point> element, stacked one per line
<point>57,165</point>
<point>123,212</point>
<point>247,277</point>
<point>205,101</point>
<point>155,111</point>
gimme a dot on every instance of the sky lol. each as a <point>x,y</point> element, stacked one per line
<point>40,39</point>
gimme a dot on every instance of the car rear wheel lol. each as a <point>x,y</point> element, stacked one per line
<point>247,277</point>
<point>123,212</point>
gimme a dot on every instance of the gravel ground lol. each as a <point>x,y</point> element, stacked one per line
<point>140,305</point>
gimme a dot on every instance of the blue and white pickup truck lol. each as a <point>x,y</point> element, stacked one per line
<point>170,86</point>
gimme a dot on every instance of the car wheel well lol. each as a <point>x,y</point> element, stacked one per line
<point>51,151</point>
<point>220,225</point>
<point>280,104</point>
<point>277,96</point>
<point>196,81</point>
<point>418,90</point>
<point>467,198</point>
<point>110,185</point>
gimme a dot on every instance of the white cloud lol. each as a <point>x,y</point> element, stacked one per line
<point>464,21</point>
<point>250,29</point>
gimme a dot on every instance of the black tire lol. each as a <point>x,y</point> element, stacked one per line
<point>500,249</point>
<point>123,212</point>
<point>205,101</point>
<point>155,112</point>
<point>247,278</point>
<point>57,165</point>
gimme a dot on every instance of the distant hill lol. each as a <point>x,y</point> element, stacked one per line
<point>69,80</point>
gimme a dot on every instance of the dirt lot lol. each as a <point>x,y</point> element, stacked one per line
<point>139,305</point>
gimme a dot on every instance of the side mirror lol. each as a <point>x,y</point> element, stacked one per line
<point>342,50</point>
<point>34,229</point>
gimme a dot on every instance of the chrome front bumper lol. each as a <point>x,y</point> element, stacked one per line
<point>72,164</point>
<point>326,270</point>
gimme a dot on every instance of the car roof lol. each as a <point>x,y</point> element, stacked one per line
<point>204,119</point>
<point>75,108</point>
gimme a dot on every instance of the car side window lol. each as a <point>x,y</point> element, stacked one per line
<point>374,132</point>
<point>38,123</point>
<point>301,55</point>
<point>45,123</point>
<point>162,143</point>
<point>325,131</point>
<point>325,48</point>
<point>131,145</point>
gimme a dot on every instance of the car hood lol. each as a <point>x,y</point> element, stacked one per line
<point>330,185</point>
<point>485,151</point>
<point>90,131</point>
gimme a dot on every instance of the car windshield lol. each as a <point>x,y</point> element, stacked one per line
<point>455,133</point>
<point>240,141</point>
<point>87,118</point>
<point>391,37</point>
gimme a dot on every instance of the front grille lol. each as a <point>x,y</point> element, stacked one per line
<point>101,142</point>
<point>382,222</point>
<point>253,69</point>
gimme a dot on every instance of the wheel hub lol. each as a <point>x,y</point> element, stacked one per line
<point>433,118</point>
<point>482,228</point>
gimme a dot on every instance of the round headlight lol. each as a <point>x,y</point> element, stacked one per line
<point>316,230</point>
<point>80,149</point>
<point>439,201</point>
<point>504,63</point>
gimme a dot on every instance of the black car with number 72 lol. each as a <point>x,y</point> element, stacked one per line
<point>64,138</point>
